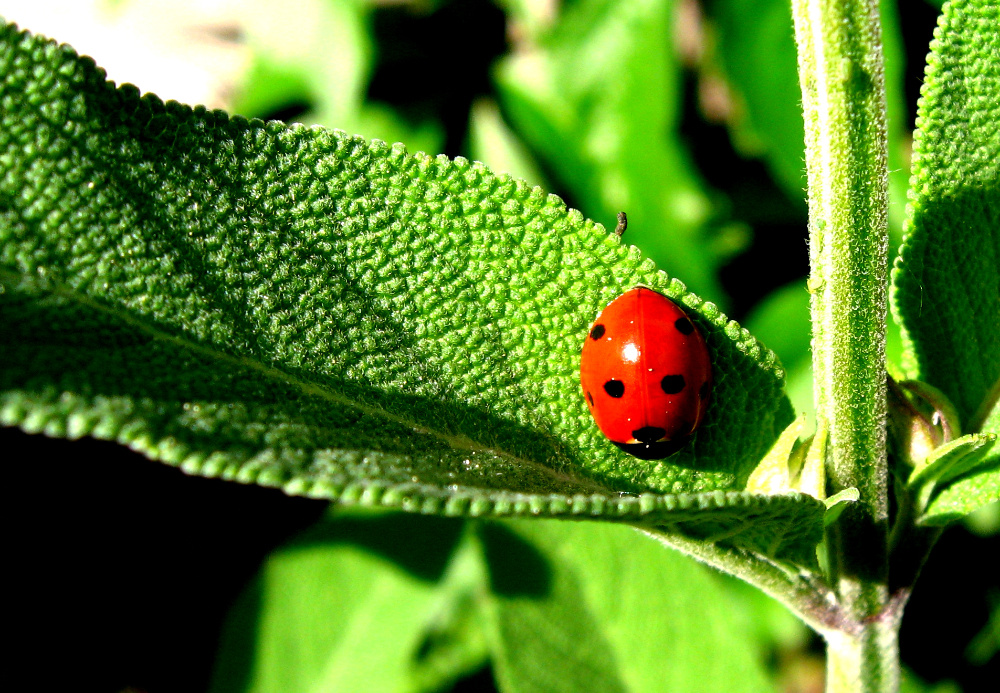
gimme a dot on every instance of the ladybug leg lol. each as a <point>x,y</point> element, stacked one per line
<point>622,224</point>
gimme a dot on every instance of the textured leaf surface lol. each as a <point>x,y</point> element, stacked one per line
<point>298,308</point>
<point>947,278</point>
<point>584,607</point>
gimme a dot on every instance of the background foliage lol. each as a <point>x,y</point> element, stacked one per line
<point>126,544</point>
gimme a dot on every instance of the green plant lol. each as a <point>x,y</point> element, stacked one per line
<point>299,308</point>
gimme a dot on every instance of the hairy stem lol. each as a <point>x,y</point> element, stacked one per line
<point>843,93</point>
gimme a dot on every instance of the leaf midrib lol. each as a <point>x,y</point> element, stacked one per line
<point>457,442</point>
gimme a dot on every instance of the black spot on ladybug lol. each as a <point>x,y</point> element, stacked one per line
<point>672,384</point>
<point>615,388</point>
<point>684,326</point>
<point>649,434</point>
<point>597,331</point>
<point>703,390</point>
<point>653,451</point>
<point>590,398</point>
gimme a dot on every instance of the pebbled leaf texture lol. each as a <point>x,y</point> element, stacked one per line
<point>294,307</point>
<point>947,277</point>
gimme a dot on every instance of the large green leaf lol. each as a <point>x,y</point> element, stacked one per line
<point>947,278</point>
<point>294,307</point>
<point>582,607</point>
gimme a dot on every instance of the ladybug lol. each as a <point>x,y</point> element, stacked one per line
<point>646,374</point>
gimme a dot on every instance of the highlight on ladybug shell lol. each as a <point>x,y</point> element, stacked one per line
<point>646,374</point>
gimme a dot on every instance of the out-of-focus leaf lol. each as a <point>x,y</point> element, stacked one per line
<point>579,607</point>
<point>909,683</point>
<point>319,55</point>
<point>985,521</point>
<point>350,605</point>
<point>757,49</point>
<point>986,645</point>
<point>947,275</point>
<point>596,96</point>
<point>493,143</point>
<point>297,308</point>
<point>323,47</point>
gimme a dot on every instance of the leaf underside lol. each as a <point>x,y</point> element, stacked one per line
<point>298,308</point>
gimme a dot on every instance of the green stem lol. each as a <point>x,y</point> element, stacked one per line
<point>809,599</point>
<point>866,658</point>
<point>843,93</point>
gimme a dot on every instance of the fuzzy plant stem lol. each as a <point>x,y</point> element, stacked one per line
<point>843,93</point>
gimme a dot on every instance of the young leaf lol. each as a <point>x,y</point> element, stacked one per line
<point>583,607</point>
<point>838,503</point>
<point>298,308</point>
<point>948,271</point>
<point>956,479</point>
<point>969,493</point>
<point>952,460</point>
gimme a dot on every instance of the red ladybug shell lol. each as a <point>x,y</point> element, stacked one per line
<point>646,374</point>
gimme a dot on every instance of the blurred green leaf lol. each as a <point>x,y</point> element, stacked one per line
<point>899,127</point>
<point>757,49</point>
<point>320,55</point>
<point>947,276</point>
<point>986,644</point>
<point>909,683</point>
<point>354,603</point>
<point>985,521</point>
<point>770,623</point>
<point>322,49</point>
<point>297,308</point>
<point>596,95</point>
<point>497,146</point>
<point>581,607</point>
